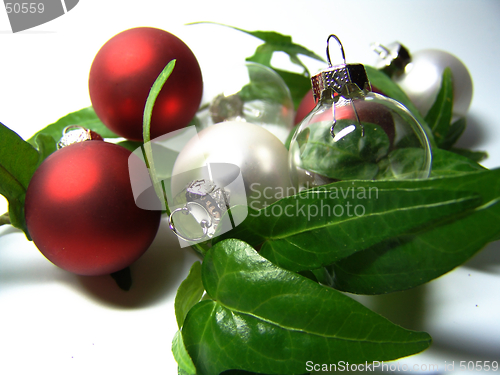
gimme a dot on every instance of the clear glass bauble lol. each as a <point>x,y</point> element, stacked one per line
<point>365,136</point>
<point>252,93</point>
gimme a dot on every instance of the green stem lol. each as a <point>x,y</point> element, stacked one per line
<point>5,219</point>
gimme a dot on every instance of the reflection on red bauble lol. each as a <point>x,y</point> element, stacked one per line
<point>81,213</point>
<point>123,72</point>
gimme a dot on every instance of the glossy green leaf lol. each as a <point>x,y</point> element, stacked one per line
<point>413,259</point>
<point>446,163</point>
<point>386,85</point>
<point>318,227</point>
<point>456,130</point>
<point>439,116</point>
<point>184,361</point>
<point>268,320</point>
<point>18,162</point>
<point>85,117</point>
<point>189,293</point>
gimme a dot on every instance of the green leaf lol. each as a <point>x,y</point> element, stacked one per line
<point>417,257</point>
<point>18,162</point>
<point>130,145</point>
<point>445,163</point>
<point>454,133</point>
<point>189,293</point>
<point>85,117</point>
<point>298,83</point>
<point>476,156</point>
<point>268,320</point>
<point>146,128</point>
<point>184,361</point>
<point>278,42</point>
<point>318,227</point>
<point>439,116</point>
<point>386,85</point>
<point>45,145</point>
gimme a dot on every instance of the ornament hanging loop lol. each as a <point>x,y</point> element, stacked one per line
<point>328,50</point>
<point>186,210</point>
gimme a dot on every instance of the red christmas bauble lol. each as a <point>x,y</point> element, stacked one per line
<point>81,213</point>
<point>306,105</point>
<point>123,72</point>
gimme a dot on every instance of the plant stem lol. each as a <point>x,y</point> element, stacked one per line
<point>5,219</point>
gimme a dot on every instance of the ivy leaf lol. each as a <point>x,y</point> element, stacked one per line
<point>318,227</point>
<point>265,319</point>
<point>189,293</point>
<point>415,258</point>
<point>18,162</point>
<point>439,116</point>
<point>383,83</point>
<point>184,361</point>
<point>85,117</point>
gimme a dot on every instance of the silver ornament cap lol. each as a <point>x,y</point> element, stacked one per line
<point>344,79</point>
<point>393,58</point>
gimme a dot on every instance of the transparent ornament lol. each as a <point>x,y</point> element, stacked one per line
<point>353,133</point>
<point>256,94</point>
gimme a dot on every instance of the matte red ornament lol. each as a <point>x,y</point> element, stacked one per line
<point>81,213</point>
<point>123,72</point>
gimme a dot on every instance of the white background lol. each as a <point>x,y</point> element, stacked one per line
<point>66,324</point>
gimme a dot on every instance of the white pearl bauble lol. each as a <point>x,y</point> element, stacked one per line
<point>422,77</point>
<point>260,156</point>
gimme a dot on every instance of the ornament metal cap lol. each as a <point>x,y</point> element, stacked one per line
<point>76,134</point>
<point>342,79</point>
<point>393,58</point>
